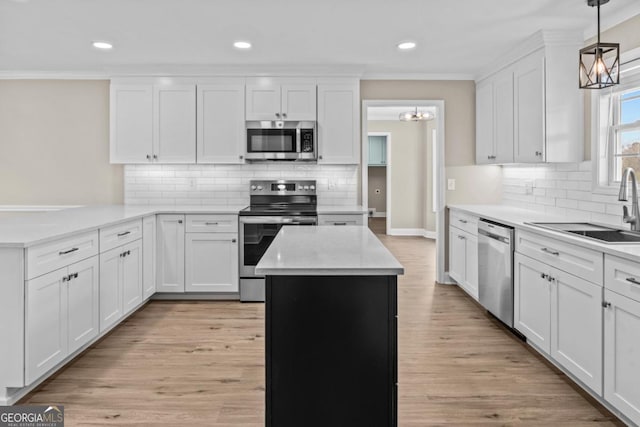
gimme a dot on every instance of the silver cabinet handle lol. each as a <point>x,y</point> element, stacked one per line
<point>549,251</point>
<point>210,223</point>
<point>462,238</point>
<point>67,252</point>
<point>464,221</point>
<point>124,234</point>
<point>339,223</point>
<point>633,280</point>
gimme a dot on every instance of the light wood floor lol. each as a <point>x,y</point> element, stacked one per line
<point>202,363</point>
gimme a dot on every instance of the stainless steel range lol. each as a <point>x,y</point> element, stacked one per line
<point>273,204</point>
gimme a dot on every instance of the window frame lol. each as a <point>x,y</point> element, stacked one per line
<point>603,142</point>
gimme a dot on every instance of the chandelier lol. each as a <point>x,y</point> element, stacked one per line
<point>416,116</point>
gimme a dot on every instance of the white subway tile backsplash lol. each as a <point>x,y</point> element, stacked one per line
<point>227,185</point>
<point>561,189</point>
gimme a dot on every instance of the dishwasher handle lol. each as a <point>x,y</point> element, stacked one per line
<point>494,236</point>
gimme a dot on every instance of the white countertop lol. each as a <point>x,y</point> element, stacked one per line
<point>28,230</point>
<point>518,219</point>
<point>328,251</point>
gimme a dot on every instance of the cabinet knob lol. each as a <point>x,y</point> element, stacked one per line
<point>320,157</point>
<point>155,157</point>
<point>539,153</point>
<point>179,221</point>
<point>606,304</point>
<point>233,240</point>
<point>148,157</point>
<point>278,115</point>
<point>241,157</point>
<point>284,115</point>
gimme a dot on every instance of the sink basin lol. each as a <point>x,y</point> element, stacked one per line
<point>601,233</point>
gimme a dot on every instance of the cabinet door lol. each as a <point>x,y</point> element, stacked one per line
<point>338,122</point>
<point>83,296</point>
<point>110,288</point>
<point>471,265</point>
<point>576,327</point>
<point>457,255</point>
<point>131,265</point>
<point>174,137</point>
<point>484,122</point>
<point>529,94</point>
<point>532,301</point>
<point>211,262</point>
<point>298,101</point>
<point>131,123</point>
<point>503,116</point>
<point>148,256</point>
<point>221,125</point>
<point>622,354</point>
<point>46,323</point>
<point>263,101</point>
<point>170,252</point>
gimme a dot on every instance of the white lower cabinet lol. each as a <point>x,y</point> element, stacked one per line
<point>532,301</point>
<point>61,315</point>
<point>211,262</point>
<point>148,256</point>
<point>120,282</point>
<point>463,260</point>
<point>170,253</point>
<point>341,219</point>
<point>576,327</point>
<point>622,354</point>
<point>561,314</point>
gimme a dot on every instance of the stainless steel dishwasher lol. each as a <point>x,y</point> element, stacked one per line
<point>495,269</point>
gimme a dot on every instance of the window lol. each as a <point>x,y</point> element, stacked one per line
<point>625,133</point>
<point>616,129</point>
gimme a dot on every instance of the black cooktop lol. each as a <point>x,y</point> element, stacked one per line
<point>276,210</point>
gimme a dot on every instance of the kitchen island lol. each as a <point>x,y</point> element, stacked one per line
<point>331,328</point>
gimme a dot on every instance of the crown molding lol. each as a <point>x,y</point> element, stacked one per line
<point>416,76</point>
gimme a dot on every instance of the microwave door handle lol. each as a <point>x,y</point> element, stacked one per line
<point>298,141</point>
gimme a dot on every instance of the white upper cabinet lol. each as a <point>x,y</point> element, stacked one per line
<point>528,106</point>
<point>131,124</point>
<point>221,125</point>
<point>153,123</point>
<point>280,99</point>
<point>174,121</point>
<point>338,123</point>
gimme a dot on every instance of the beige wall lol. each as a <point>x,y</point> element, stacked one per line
<point>411,172</point>
<point>628,35</point>
<point>54,143</point>
<point>378,181</point>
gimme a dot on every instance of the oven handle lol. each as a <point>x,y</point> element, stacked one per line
<point>278,220</point>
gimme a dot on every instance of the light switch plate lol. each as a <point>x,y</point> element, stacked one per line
<point>451,184</point>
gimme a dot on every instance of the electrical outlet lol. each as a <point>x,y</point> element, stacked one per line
<point>451,184</point>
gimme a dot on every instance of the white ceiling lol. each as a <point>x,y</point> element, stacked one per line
<point>456,38</point>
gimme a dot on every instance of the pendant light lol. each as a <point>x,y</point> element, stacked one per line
<point>416,116</point>
<point>600,62</point>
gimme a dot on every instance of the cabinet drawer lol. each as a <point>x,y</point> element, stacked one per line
<point>354,219</point>
<point>212,224</point>
<point>118,235</point>
<point>622,276</point>
<point>51,256</point>
<point>585,263</point>
<point>463,221</point>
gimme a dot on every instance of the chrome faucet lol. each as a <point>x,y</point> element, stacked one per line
<point>634,219</point>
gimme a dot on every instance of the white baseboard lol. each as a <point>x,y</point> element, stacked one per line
<point>413,232</point>
<point>379,214</point>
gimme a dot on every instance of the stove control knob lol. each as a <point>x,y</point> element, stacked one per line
<point>253,187</point>
<point>259,187</point>
<point>305,187</point>
<point>312,187</point>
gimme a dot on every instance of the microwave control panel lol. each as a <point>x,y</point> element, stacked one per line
<point>306,140</point>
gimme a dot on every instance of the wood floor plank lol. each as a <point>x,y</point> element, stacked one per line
<point>175,363</point>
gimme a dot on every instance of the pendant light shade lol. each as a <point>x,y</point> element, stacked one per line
<point>600,62</point>
<point>416,116</point>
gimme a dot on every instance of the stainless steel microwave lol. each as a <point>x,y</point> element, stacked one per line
<point>281,140</point>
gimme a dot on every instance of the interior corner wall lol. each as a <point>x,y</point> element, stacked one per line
<point>54,144</point>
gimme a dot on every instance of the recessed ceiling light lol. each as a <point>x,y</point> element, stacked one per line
<point>102,45</point>
<point>406,45</point>
<point>242,45</point>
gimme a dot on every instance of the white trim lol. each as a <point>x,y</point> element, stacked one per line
<point>405,231</point>
<point>365,181</point>
<point>439,173</point>
<point>379,214</point>
<point>428,234</point>
<point>416,76</point>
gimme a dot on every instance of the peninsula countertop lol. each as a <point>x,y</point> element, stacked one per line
<point>328,251</point>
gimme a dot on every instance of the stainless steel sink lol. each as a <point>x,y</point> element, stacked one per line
<point>601,233</point>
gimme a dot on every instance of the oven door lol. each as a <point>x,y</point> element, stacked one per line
<point>272,144</point>
<point>257,233</point>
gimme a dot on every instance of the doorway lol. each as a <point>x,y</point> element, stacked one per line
<point>403,169</point>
